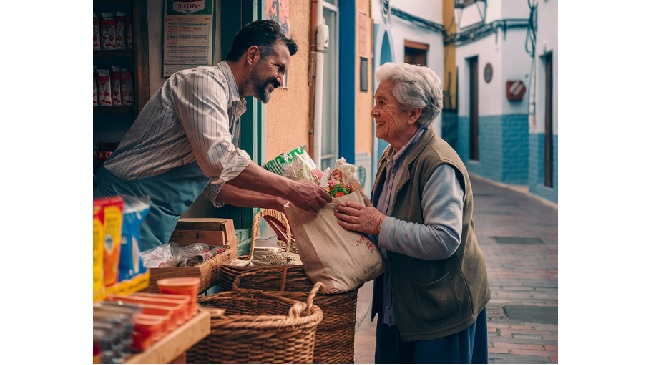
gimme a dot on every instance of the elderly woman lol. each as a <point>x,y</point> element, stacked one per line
<point>431,298</point>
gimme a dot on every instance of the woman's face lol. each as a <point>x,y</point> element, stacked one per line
<point>392,124</point>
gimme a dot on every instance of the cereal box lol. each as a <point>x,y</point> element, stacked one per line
<point>108,31</point>
<point>127,86</point>
<point>115,85</point>
<point>104,87</point>
<point>96,44</point>
<point>120,36</point>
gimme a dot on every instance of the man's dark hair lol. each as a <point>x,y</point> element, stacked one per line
<point>261,33</point>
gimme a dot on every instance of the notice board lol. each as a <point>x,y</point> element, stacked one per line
<point>187,34</point>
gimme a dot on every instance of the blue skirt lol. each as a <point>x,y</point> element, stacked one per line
<point>469,346</point>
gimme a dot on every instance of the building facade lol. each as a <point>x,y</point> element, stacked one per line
<point>498,63</point>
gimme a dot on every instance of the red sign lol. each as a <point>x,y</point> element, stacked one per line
<point>515,90</point>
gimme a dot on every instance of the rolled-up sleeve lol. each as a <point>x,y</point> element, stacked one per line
<point>201,102</point>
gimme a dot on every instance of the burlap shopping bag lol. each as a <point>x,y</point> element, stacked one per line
<point>340,259</point>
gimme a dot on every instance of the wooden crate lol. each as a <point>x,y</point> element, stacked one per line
<point>219,230</point>
<point>211,231</point>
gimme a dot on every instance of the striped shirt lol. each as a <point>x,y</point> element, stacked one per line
<point>194,116</point>
<point>442,206</point>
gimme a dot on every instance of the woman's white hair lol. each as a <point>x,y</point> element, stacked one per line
<point>415,87</point>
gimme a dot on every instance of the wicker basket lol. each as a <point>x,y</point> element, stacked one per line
<point>258,328</point>
<point>207,271</point>
<point>335,334</point>
<point>229,270</point>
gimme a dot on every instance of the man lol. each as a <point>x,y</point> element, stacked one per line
<point>185,140</point>
<point>431,297</point>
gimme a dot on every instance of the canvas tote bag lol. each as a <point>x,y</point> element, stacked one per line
<point>342,260</point>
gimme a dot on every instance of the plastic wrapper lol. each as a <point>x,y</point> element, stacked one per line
<point>298,165</point>
<point>342,180</point>
<point>295,165</point>
<point>173,255</point>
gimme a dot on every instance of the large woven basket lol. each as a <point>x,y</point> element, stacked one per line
<point>258,328</point>
<point>335,334</point>
<point>229,271</point>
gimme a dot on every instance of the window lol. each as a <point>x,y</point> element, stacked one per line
<point>415,53</point>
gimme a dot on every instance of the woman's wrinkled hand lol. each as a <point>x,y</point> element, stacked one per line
<point>357,217</point>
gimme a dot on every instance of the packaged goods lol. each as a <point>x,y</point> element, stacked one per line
<point>120,36</point>
<point>98,251</point>
<point>134,211</point>
<point>110,216</point>
<point>104,87</point>
<point>95,91</point>
<point>280,164</point>
<point>96,44</point>
<point>115,85</point>
<point>126,85</point>
<point>108,31</point>
<point>128,31</point>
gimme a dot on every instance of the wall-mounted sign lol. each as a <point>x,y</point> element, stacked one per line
<point>488,72</point>
<point>363,74</point>
<point>515,90</point>
<point>187,39</point>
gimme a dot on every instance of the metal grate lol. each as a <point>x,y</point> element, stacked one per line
<point>531,313</point>
<point>518,240</point>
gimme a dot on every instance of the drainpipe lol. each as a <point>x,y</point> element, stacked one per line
<point>532,119</point>
<point>532,95</point>
<point>318,48</point>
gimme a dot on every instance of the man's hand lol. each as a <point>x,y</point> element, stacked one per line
<point>308,196</point>
<point>358,217</point>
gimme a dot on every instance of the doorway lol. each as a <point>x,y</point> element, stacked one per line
<point>548,120</point>
<point>473,109</point>
<point>330,127</point>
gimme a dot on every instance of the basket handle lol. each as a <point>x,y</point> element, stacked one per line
<point>255,229</point>
<point>298,308</point>
<point>283,282</point>
<point>312,294</point>
<point>236,282</point>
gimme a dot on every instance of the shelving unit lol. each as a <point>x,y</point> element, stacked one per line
<point>110,123</point>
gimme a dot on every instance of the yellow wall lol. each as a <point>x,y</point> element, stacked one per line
<point>287,112</point>
<point>449,79</point>
<point>363,99</point>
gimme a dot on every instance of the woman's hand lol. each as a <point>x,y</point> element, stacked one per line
<point>358,217</point>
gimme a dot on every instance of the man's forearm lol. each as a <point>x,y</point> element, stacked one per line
<point>235,196</point>
<point>255,178</point>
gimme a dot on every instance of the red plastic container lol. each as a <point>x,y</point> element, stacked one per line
<point>185,300</point>
<point>178,310</point>
<point>181,286</point>
<point>147,330</point>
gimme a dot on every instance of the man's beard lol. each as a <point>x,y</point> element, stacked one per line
<point>262,93</point>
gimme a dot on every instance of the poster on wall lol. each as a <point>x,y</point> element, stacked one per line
<point>187,34</point>
<point>278,10</point>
